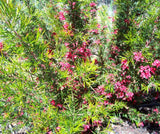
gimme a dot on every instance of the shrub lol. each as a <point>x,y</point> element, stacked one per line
<point>64,71</point>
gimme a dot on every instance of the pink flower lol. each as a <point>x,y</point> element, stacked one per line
<point>97,123</point>
<point>138,56</point>
<point>97,41</point>
<point>105,26</point>
<point>66,44</point>
<point>92,4</point>
<point>108,95</point>
<point>98,25</point>
<point>44,109</point>
<point>129,95</point>
<point>115,31</point>
<point>9,99</point>
<point>124,61</point>
<point>111,59</point>
<point>115,11</point>
<point>50,63</point>
<point>74,3</point>
<point>20,122</point>
<point>145,72</point>
<point>86,127</point>
<point>156,63</point>
<point>81,50</point>
<point>120,95</point>
<point>59,105</point>
<point>61,16</point>
<point>84,101</point>
<point>117,85</point>
<point>66,25</point>
<point>43,66</point>
<point>58,128</point>
<point>124,64</point>
<point>68,55</point>
<point>113,20</point>
<point>95,31</point>
<point>85,44</point>
<point>101,88</point>
<point>65,65</point>
<point>1,46</point>
<point>155,110</point>
<point>128,77</point>
<point>21,113</point>
<point>40,101</point>
<point>106,103</point>
<point>40,29</point>
<point>141,124</point>
<point>116,48</point>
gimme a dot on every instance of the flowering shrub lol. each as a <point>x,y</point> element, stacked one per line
<point>133,53</point>
<point>64,71</point>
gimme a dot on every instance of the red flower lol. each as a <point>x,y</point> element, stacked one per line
<point>53,102</point>
<point>153,70</point>
<point>68,55</point>
<point>59,105</point>
<point>115,31</point>
<point>54,34</point>
<point>126,21</point>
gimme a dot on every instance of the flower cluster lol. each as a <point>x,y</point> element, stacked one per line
<point>66,66</point>
<point>58,105</point>
<point>146,71</point>
<point>92,4</point>
<point>61,16</point>
<point>138,57</point>
<point>124,64</point>
<point>80,52</point>
<point>89,127</point>
<point>101,91</point>
<point>156,63</point>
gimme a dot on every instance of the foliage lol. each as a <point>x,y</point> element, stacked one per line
<point>67,68</point>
